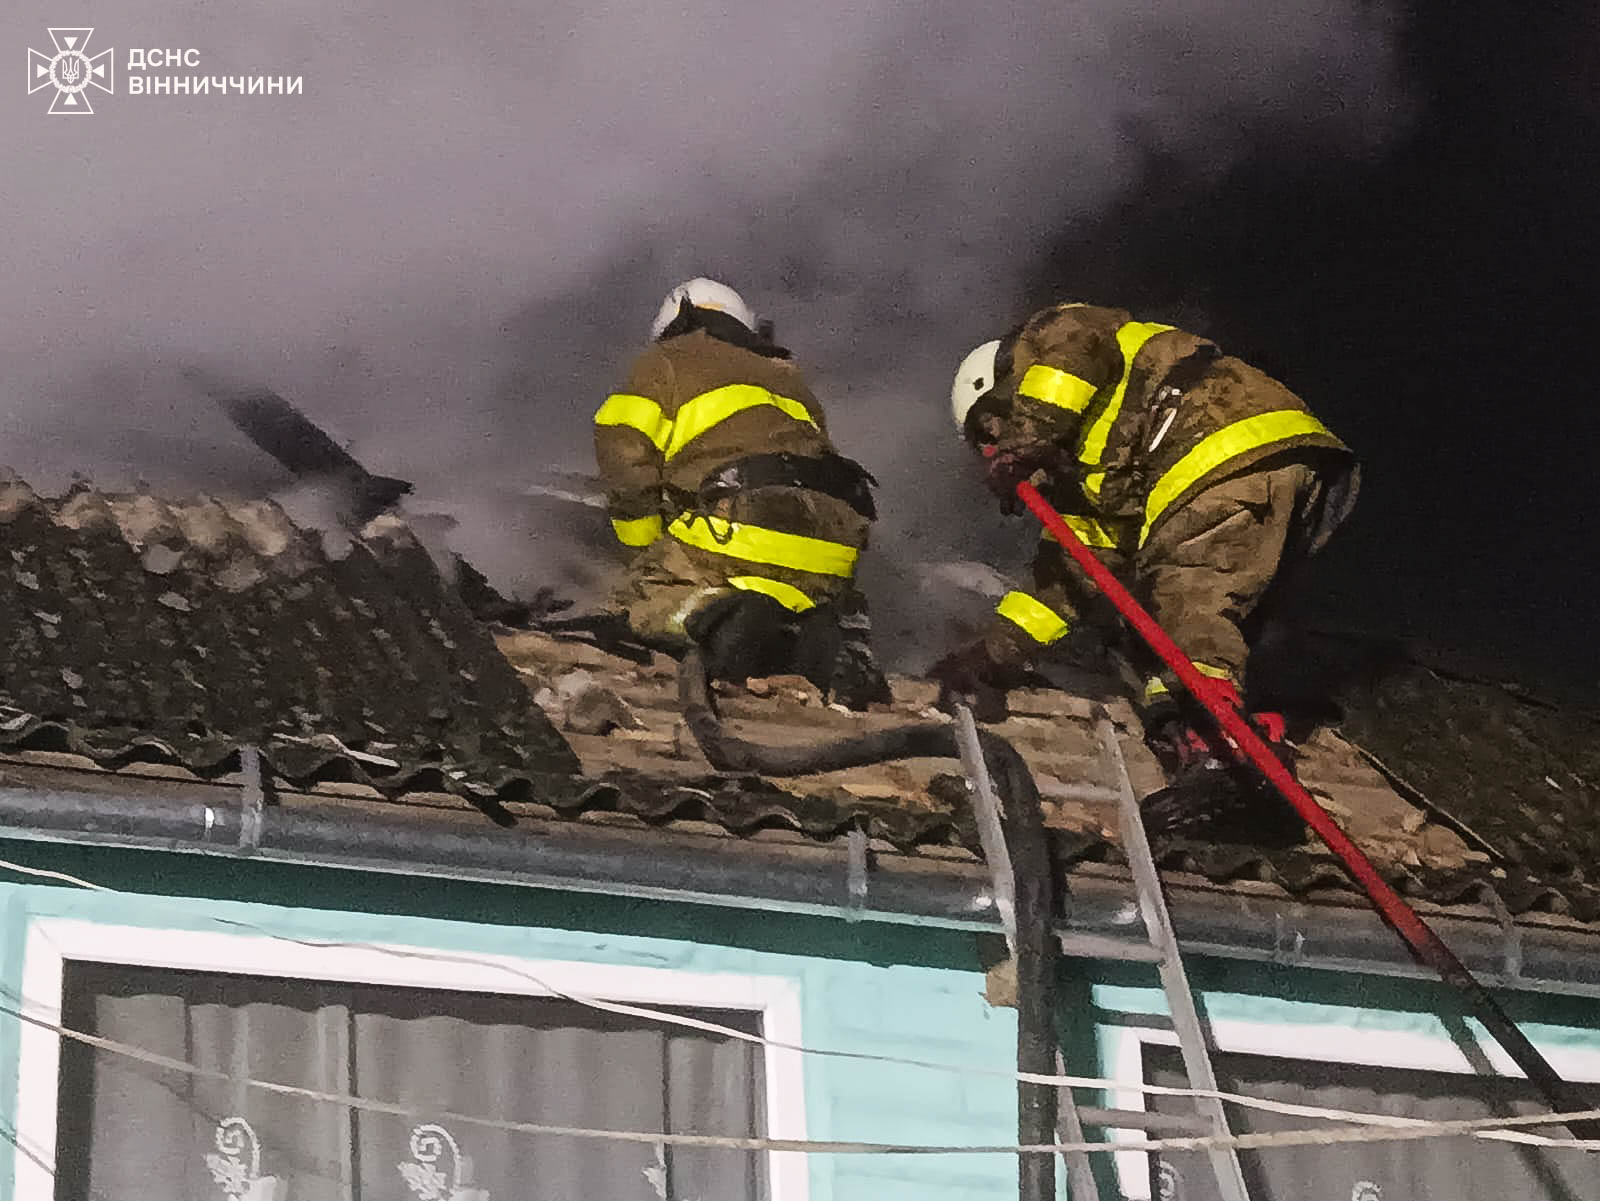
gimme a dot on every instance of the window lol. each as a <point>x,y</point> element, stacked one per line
<point>1389,1171</point>
<point>1406,1064</point>
<point>362,1026</point>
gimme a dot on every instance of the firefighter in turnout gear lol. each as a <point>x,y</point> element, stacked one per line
<point>1198,479</point>
<point>742,524</point>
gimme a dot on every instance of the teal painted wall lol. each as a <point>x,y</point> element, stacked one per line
<point>864,987</point>
<point>874,988</point>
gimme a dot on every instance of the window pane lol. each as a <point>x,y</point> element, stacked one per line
<point>1388,1171</point>
<point>129,1130</point>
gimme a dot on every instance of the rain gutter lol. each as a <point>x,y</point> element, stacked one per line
<point>844,879</point>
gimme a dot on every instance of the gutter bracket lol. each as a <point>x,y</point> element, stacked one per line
<point>856,878</point>
<point>1288,941</point>
<point>252,798</point>
<point>1511,936</point>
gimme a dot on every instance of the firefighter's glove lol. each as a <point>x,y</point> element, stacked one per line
<point>1006,467</point>
<point>970,676</point>
<point>1270,726</point>
<point>1182,748</point>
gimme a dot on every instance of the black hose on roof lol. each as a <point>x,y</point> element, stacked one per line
<point>1030,866</point>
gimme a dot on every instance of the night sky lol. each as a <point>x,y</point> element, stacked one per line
<point>1437,306</point>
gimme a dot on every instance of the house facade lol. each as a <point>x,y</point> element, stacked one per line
<point>531,953</point>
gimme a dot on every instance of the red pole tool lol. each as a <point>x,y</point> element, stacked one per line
<point>1416,933</point>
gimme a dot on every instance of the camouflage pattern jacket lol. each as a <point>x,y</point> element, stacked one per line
<point>696,403</point>
<point>1139,417</point>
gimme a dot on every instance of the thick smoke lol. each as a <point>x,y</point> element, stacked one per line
<point>446,249</point>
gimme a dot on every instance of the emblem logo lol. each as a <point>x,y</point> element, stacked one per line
<point>70,71</point>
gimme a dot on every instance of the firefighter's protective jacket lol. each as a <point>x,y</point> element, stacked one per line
<point>1139,419</point>
<point>1093,381</point>
<point>694,404</point>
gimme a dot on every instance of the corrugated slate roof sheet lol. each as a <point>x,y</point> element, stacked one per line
<point>137,627</point>
<point>160,637</point>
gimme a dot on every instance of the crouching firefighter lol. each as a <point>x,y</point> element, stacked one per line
<point>742,524</point>
<point>1197,479</point>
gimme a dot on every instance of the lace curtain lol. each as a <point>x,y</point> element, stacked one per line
<point>129,1130</point>
<point>1428,1170</point>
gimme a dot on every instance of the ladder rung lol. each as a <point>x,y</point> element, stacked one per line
<point>1082,792</point>
<point>1231,1185</point>
<point>1142,1119</point>
<point>1103,946</point>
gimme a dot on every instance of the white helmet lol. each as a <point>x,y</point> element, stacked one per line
<point>974,377</point>
<point>703,294</point>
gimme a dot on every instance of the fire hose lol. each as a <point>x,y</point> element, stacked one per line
<point>1412,929</point>
<point>1030,862</point>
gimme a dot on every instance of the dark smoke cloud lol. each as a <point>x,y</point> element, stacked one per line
<point>448,247</point>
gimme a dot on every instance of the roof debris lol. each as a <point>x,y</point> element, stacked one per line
<point>161,637</point>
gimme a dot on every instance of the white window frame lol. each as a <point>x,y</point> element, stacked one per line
<point>54,942</point>
<point>1352,1044</point>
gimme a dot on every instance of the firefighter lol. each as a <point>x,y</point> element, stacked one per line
<point>1198,479</point>
<point>742,524</point>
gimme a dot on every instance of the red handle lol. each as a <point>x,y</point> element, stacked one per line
<point>1418,935</point>
<point>1230,719</point>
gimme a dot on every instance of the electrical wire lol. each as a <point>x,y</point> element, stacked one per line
<point>684,1021</point>
<point>691,1023</point>
<point>623,1009</point>
<point>45,874</point>
<point>1286,1138</point>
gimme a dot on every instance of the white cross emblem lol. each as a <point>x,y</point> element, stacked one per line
<point>70,71</point>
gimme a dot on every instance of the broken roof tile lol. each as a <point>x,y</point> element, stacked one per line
<point>163,635</point>
<point>215,645</point>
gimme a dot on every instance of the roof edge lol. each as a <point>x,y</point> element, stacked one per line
<point>829,881</point>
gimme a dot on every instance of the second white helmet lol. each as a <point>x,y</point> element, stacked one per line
<point>703,293</point>
<point>974,377</point>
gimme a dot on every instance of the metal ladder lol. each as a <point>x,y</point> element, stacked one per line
<point>1162,951</point>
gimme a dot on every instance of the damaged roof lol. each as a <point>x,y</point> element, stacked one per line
<point>159,637</point>
<point>140,629</point>
<point>1432,843</point>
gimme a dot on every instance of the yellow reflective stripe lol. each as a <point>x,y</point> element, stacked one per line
<point>1052,386</point>
<point>757,544</point>
<point>1092,445</point>
<point>1217,448</point>
<point>1089,530</point>
<point>711,408</point>
<point>637,413</point>
<point>1035,618</point>
<point>787,595</point>
<point>1155,686</point>
<point>640,531</point>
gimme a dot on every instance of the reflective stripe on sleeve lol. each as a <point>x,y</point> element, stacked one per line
<point>1089,530</point>
<point>1217,448</point>
<point>640,531</point>
<point>787,595</point>
<point>1052,386</point>
<point>757,544</point>
<point>1033,617</point>
<point>716,406</point>
<point>637,413</point>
